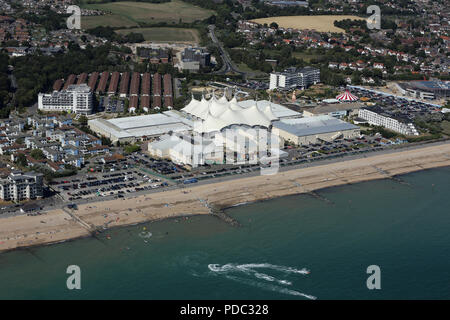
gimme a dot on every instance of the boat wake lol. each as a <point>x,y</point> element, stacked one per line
<point>254,270</point>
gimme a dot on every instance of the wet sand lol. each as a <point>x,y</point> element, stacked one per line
<point>59,225</point>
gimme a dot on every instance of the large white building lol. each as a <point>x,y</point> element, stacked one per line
<point>76,99</point>
<point>216,114</point>
<point>294,78</point>
<point>225,132</point>
<point>146,127</point>
<point>312,130</point>
<point>377,118</point>
<point>21,186</point>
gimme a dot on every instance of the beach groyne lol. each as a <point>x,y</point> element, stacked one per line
<point>58,225</point>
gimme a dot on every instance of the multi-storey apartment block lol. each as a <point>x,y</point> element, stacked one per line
<point>76,98</point>
<point>19,186</point>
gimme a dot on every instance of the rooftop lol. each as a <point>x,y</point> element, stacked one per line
<point>313,125</point>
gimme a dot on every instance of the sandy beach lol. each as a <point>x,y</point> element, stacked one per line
<point>59,225</point>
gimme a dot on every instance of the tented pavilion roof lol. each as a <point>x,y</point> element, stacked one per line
<point>217,114</point>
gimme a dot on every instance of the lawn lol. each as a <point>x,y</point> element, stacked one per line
<point>304,56</point>
<point>129,14</point>
<point>165,34</point>
<point>112,20</point>
<point>319,23</point>
<point>245,68</point>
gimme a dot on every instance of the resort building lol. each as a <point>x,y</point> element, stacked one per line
<point>76,99</point>
<point>238,145</point>
<point>376,116</point>
<point>18,186</point>
<point>293,78</point>
<point>433,89</point>
<point>224,131</point>
<point>337,110</point>
<point>147,127</point>
<point>312,130</point>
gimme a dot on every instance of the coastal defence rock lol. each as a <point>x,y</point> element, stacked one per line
<point>220,213</point>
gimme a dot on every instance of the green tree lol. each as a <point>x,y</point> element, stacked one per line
<point>132,148</point>
<point>83,120</point>
<point>22,160</point>
<point>37,154</point>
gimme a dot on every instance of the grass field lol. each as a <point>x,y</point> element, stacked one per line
<point>165,34</point>
<point>112,20</point>
<point>319,23</point>
<point>304,56</point>
<point>130,14</point>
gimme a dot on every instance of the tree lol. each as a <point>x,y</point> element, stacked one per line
<point>274,25</point>
<point>83,120</point>
<point>22,160</point>
<point>37,154</point>
<point>132,148</point>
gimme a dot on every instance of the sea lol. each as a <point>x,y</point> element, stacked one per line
<point>301,247</point>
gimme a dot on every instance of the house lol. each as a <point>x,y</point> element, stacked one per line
<point>115,158</point>
<point>378,65</point>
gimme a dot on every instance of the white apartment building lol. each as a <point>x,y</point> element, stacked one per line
<point>377,119</point>
<point>293,78</point>
<point>76,99</point>
<point>21,186</point>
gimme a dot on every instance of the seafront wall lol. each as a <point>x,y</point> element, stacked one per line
<point>60,225</point>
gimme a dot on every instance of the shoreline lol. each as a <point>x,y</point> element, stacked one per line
<point>61,225</point>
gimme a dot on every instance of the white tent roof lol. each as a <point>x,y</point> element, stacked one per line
<point>269,113</point>
<point>220,113</point>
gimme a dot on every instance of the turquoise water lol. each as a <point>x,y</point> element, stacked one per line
<point>402,228</point>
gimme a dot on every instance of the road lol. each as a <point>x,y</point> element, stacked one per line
<point>228,65</point>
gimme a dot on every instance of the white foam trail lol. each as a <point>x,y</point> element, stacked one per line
<point>264,276</point>
<point>275,267</point>
<point>272,279</point>
<point>271,287</point>
<point>248,267</point>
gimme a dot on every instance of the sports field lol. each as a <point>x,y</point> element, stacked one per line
<point>129,14</point>
<point>319,23</point>
<point>165,34</point>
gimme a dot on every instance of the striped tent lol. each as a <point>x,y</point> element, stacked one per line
<point>346,96</point>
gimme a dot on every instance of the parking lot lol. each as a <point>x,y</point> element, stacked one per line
<point>396,106</point>
<point>115,183</point>
<point>159,166</point>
